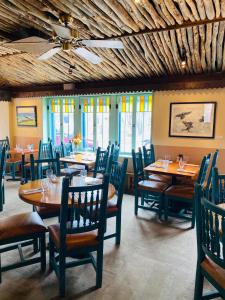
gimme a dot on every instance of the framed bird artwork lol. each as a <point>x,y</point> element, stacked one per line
<point>192,119</point>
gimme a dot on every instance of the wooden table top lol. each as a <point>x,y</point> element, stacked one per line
<point>21,151</point>
<point>52,197</point>
<point>80,159</point>
<point>173,169</point>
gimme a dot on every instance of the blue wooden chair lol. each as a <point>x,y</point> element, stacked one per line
<point>114,206</point>
<point>208,184</point>
<point>37,173</point>
<point>210,223</point>
<point>64,169</point>
<point>79,235</point>
<point>150,192</point>
<point>2,174</point>
<point>149,158</point>
<point>218,187</point>
<point>115,151</point>
<point>185,194</point>
<point>101,163</point>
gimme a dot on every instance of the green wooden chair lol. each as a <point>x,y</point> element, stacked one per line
<point>149,158</point>
<point>185,194</point>
<point>210,223</point>
<point>218,187</point>
<point>64,169</point>
<point>101,163</point>
<point>114,206</point>
<point>208,184</point>
<point>38,173</point>
<point>2,174</point>
<point>150,192</point>
<point>115,151</point>
<point>79,235</point>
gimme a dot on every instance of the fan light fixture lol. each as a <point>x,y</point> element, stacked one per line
<point>183,61</point>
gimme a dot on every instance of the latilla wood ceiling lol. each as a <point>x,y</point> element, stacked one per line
<point>146,55</point>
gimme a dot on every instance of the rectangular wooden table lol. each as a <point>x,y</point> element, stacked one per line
<point>85,159</point>
<point>189,170</point>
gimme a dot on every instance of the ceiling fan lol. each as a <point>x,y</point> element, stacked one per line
<point>63,39</point>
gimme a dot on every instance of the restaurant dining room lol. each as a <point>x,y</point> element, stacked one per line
<point>112,149</point>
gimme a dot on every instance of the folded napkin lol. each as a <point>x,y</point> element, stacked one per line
<point>33,191</point>
<point>191,165</point>
<point>186,171</point>
<point>157,166</point>
<point>87,159</point>
<point>162,160</point>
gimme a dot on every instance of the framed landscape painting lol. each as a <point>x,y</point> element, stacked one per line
<point>192,119</point>
<point>26,116</point>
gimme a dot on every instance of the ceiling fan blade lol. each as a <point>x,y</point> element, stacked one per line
<point>49,53</point>
<point>89,56</point>
<point>62,31</point>
<point>103,44</point>
<point>34,45</point>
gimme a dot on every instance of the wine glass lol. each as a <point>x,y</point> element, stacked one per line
<point>181,163</point>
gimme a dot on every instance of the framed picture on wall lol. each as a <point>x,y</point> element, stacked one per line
<point>192,119</point>
<point>26,116</point>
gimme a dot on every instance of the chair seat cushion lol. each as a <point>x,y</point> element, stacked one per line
<point>152,186</point>
<point>13,161</point>
<point>73,241</point>
<point>163,178</point>
<point>181,191</point>
<point>21,225</point>
<point>214,271</point>
<point>47,212</point>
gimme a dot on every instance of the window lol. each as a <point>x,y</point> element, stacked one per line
<point>68,119</point>
<point>125,118</point>
<point>87,123</point>
<point>143,120</point>
<point>102,122</point>
<point>125,123</point>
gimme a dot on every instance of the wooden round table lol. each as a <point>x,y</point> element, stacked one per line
<point>51,197</point>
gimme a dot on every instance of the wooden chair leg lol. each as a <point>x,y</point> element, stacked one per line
<point>0,269</point>
<point>35,245</point>
<point>136,204</point>
<point>51,253</point>
<point>99,267</point>
<point>166,203</point>
<point>193,217</point>
<point>43,253</point>
<point>198,284</point>
<point>1,200</point>
<point>118,228</point>
<point>62,275</point>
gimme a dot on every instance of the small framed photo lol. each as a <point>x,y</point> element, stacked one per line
<point>26,116</point>
<point>192,119</point>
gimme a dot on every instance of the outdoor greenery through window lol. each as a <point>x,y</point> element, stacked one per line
<point>125,118</point>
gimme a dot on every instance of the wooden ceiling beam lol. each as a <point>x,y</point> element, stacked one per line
<point>172,27</point>
<point>203,81</point>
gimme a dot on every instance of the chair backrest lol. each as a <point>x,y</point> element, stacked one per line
<point>84,201</point>
<point>101,161</point>
<point>5,143</point>
<point>58,149</point>
<point>212,164</point>
<point>137,166</point>
<point>149,155</point>
<point>203,169</point>
<point>45,150</point>
<point>117,178</point>
<point>218,186</point>
<point>67,148</point>
<point>115,151</point>
<point>36,166</point>
<point>210,222</point>
<point>2,164</point>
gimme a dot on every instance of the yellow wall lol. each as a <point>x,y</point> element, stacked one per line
<point>193,148</point>
<point>26,135</point>
<point>4,119</point>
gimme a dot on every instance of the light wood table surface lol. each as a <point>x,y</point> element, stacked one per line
<point>173,170</point>
<point>87,160</point>
<point>51,197</point>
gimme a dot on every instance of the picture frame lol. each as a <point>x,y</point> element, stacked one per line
<point>192,119</point>
<point>26,116</point>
